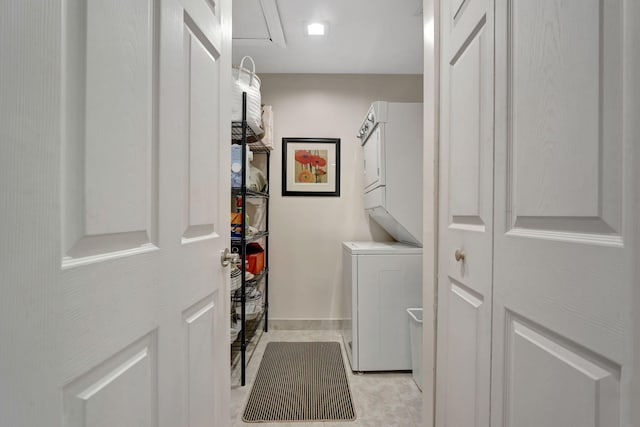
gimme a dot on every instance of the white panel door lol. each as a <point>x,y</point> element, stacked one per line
<point>566,213</point>
<point>114,174</point>
<point>466,214</point>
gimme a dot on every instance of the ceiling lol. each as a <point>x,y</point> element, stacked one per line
<point>363,36</point>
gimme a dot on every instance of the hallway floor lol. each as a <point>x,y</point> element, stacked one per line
<point>380,399</point>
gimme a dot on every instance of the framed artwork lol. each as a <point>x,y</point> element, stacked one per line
<point>311,167</point>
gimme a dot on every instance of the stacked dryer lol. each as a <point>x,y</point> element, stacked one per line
<point>382,279</point>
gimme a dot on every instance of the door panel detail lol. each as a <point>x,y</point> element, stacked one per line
<point>456,8</point>
<point>466,141</point>
<point>462,350</point>
<point>109,122</point>
<point>121,391</point>
<point>199,321</point>
<point>206,18</point>
<point>203,124</point>
<point>212,5</point>
<point>564,139</point>
<point>551,381</point>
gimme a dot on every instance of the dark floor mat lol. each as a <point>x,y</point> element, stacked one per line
<point>300,381</point>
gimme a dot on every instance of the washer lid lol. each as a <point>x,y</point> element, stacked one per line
<point>380,248</point>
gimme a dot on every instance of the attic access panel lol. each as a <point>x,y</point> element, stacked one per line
<point>257,23</point>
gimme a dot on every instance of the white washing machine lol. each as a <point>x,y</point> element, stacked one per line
<point>380,281</point>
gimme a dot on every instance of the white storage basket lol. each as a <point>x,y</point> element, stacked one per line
<point>415,339</point>
<point>245,80</point>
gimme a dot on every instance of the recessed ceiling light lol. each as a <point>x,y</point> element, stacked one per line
<point>315,29</point>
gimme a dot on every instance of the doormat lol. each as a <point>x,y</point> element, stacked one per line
<point>300,381</point>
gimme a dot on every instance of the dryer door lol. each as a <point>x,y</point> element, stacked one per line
<point>374,160</point>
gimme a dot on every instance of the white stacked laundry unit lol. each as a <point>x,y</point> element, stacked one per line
<point>382,279</point>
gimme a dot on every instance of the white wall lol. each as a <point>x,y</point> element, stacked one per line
<point>306,232</point>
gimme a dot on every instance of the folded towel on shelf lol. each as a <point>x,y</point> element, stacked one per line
<point>257,180</point>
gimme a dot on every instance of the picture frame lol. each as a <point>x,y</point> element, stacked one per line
<point>311,167</point>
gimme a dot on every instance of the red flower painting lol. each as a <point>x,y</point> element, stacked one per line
<point>303,157</point>
<point>310,166</point>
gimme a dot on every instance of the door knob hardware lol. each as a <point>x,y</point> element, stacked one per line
<point>227,257</point>
<point>459,255</point>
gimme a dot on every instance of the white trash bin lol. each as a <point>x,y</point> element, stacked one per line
<point>415,338</point>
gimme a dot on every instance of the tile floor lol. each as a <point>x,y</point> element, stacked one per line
<point>380,399</point>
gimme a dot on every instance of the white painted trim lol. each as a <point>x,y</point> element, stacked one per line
<point>632,55</point>
<point>431,105</point>
<point>561,236</point>
<point>306,324</point>
<point>68,262</point>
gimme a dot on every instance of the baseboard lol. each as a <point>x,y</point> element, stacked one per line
<point>306,324</point>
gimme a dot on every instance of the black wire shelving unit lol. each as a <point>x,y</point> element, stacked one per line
<point>250,329</point>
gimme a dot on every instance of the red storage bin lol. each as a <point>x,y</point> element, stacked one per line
<point>255,258</point>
